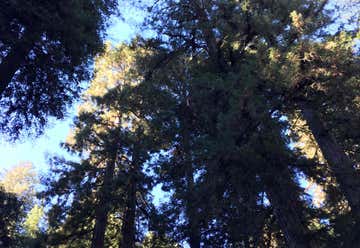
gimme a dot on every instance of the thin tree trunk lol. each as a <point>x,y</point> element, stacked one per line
<point>287,208</point>
<point>103,207</point>
<point>128,226</point>
<point>15,58</point>
<point>338,161</point>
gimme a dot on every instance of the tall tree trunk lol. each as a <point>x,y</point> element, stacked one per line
<point>15,58</point>
<point>128,226</point>
<point>190,201</point>
<point>103,207</point>
<point>287,208</point>
<point>193,226</point>
<point>193,231</point>
<point>338,161</point>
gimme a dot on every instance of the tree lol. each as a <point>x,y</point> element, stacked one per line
<point>46,50</point>
<point>11,214</point>
<point>230,101</point>
<point>320,80</point>
<point>208,110</point>
<point>109,179</point>
<point>21,180</point>
<point>32,221</point>
<point>323,84</point>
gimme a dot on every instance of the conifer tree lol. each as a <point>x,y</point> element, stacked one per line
<point>114,144</point>
<point>11,214</point>
<point>46,49</point>
<point>322,82</point>
<point>19,184</point>
<point>223,39</point>
<point>208,109</point>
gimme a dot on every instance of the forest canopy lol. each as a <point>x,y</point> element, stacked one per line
<point>245,113</point>
<point>46,48</point>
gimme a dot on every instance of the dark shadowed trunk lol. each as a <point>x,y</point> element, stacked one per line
<point>15,58</point>
<point>287,208</point>
<point>103,207</point>
<point>128,229</point>
<point>338,161</point>
<point>190,206</point>
<point>191,213</point>
<point>128,226</point>
<point>193,228</point>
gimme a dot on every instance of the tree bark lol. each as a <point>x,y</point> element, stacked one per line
<point>338,161</point>
<point>190,201</point>
<point>15,58</point>
<point>287,209</point>
<point>103,207</point>
<point>193,226</point>
<point>128,226</point>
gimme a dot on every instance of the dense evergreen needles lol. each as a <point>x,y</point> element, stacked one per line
<point>244,113</point>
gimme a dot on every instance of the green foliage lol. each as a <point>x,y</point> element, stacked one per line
<point>112,142</point>
<point>21,180</point>
<point>152,240</point>
<point>46,49</point>
<point>11,214</point>
<point>212,110</point>
<point>33,219</point>
<point>19,184</point>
